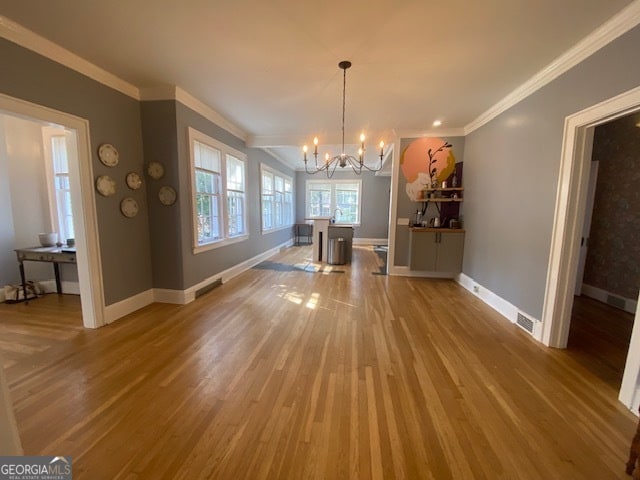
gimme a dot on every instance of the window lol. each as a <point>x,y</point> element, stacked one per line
<point>57,168</point>
<point>219,197</point>
<point>334,198</point>
<point>277,199</point>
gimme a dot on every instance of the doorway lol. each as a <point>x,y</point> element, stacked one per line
<point>84,219</point>
<point>567,229</point>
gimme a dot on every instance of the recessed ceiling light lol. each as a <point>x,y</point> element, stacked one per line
<point>437,123</point>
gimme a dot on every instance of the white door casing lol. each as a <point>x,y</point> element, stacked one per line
<point>82,196</point>
<point>565,239</point>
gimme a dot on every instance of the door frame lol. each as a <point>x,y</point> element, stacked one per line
<point>83,197</point>
<point>567,229</point>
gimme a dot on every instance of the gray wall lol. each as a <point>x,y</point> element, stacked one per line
<point>375,201</point>
<point>511,168</point>
<point>407,209</point>
<point>165,129</point>
<point>113,118</point>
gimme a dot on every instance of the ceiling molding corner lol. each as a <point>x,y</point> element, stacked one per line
<point>159,92</point>
<point>622,22</point>
<point>16,33</point>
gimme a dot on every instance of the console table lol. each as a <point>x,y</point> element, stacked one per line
<point>55,255</point>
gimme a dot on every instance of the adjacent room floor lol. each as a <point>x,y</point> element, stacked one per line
<point>297,370</point>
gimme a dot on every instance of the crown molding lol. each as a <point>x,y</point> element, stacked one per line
<point>209,113</point>
<point>24,37</point>
<point>448,132</point>
<point>20,35</point>
<point>622,22</point>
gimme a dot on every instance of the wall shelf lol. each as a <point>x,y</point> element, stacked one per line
<point>439,198</point>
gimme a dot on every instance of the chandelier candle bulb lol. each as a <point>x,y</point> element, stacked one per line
<point>315,145</point>
<point>381,148</point>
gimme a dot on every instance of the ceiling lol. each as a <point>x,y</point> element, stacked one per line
<point>271,66</point>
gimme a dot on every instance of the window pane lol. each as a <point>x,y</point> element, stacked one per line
<point>235,173</point>
<point>207,207</point>
<point>235,207</point>
<point>207,182</point>
<point>334,199</point>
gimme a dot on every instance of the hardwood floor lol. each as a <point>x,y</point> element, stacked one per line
<point>287,372</point>
<point>599,338</point>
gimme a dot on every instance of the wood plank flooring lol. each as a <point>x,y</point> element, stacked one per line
<point>289,373</point>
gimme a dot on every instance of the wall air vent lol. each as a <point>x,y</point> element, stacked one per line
<point>525,323</point>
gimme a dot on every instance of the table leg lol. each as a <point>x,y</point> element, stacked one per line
<point>24,282</point>
<point>56,269</point>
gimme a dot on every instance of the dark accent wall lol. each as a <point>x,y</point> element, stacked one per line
<point>113,118</point>
<point>613,257</point>
<point>511,169</point>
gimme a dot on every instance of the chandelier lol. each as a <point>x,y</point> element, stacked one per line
<point>342,159</point>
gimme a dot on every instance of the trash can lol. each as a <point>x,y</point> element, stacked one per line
<point>337,254</point>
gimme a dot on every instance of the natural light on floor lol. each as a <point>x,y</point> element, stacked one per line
<point>297,298</point>
<point>313,301</point>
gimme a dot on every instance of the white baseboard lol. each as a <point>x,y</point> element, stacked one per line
<point>499,304</point>
<point>603,296</point>
<point>71,288</point>
<point>163,295</point>
<point>370,241</point>
<point>182,297</point>
<point>129,305</point>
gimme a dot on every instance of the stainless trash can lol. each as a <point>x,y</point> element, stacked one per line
<point>337,254</point>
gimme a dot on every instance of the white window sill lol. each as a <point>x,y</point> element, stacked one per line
<point>219,243</point>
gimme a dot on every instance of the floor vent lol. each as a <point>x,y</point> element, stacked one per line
<point>525,323</point>
<point>616,301</point>
<point>208,288</point>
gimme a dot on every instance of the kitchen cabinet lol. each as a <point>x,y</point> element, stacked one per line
<point>436,249</point>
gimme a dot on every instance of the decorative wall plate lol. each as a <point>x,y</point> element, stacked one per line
<point>108,155</point>
<point>134,180</point>
<point>155,170</point>
<point>129,207</point>
<point>167,195</point>
<point>105,185</point>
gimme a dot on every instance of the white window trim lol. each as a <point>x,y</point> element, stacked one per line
<point>333,197</point>
<point>266,168</point>
<point>224,150</point>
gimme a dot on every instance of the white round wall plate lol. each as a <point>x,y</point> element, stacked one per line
<point>109,155</point>
<point>134,180</point>
<point>167,195</point>
<point>155,170</point>
<point>105,185</point>
<point>129,207</point>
